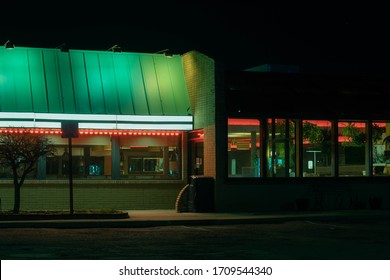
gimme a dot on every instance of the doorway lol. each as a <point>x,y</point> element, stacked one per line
<point>196,153</point>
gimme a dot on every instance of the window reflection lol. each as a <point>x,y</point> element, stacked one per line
<point>353,148</point>
<point>138,157</point>
<point>244,148</point>
<point>281,148</point>
<point>87,162</point>
<point>381,148</point>
<point>150,162</point>
<point>308,148</point>
<point>317,148</point>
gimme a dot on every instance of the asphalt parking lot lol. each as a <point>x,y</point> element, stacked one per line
<point>291,240</point>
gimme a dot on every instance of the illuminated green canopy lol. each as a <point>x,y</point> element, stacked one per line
<point>37,80</point>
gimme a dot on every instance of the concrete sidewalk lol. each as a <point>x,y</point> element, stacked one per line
<point>149,218</point>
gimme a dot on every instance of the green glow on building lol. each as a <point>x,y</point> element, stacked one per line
<point>91,82</point>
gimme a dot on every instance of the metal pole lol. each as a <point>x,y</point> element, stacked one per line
<point>70,175</point>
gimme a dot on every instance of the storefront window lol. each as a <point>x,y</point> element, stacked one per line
<point>243,148</point>
<point>135,156</point>
<point>98,163</point>
<point>381,148</point>
<point>317,148</point>
<point>353,148</point>
<point>308,148</point>
<point>150,162</point>
<point>87,162</point>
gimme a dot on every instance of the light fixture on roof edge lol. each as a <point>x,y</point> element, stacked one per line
<point>115,48</point>
<point>62,47</point>
<point>166,52</point>
<point>9,45</point>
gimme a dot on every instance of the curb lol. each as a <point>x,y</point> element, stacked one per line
<point>127,222</point>
<point>74,216</point>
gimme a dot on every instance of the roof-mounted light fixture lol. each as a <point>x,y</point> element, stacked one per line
<point>9,45</point>
<point>115,48</point>
<point>166,52</point>
<point>62,47</point>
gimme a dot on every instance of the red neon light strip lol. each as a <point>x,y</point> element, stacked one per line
<point>91,132</point>
<point>35,131</point>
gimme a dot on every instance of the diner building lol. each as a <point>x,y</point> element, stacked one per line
<point>133,114</point>
<point>151,126</point>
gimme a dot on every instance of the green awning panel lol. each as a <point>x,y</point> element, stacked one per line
<point>37,81</point>
<point>91,82</point>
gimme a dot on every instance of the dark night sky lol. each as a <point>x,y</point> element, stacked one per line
<point>319,37</point>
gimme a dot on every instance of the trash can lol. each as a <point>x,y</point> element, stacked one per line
<point>201,194</point>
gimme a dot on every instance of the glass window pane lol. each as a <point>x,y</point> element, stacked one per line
<point>145,162</point>
<point>317,148</point>
<point>381,148</point>
<point>243,148</point>
<point>353,148</point>
<point>87,162</point>
<point>281,155</point>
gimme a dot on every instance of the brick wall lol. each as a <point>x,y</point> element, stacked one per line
<point>199,73</point>
<point>121,195</point>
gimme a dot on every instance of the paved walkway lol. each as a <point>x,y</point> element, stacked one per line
<point>147,218</point>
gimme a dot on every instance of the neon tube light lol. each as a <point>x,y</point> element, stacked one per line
<point>156,126</point>
<point>94,117</point>
<point>95,121</point>
<point>92,132</point>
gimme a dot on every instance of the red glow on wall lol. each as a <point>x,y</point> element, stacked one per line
<point>320,123</point>
<point>380,124</point>
<point>243,122</point>
<point>257,145</point>
<point>355,124</point>
<point>344,139</point>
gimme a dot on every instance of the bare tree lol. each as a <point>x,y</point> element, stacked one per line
<point>20,151</point>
